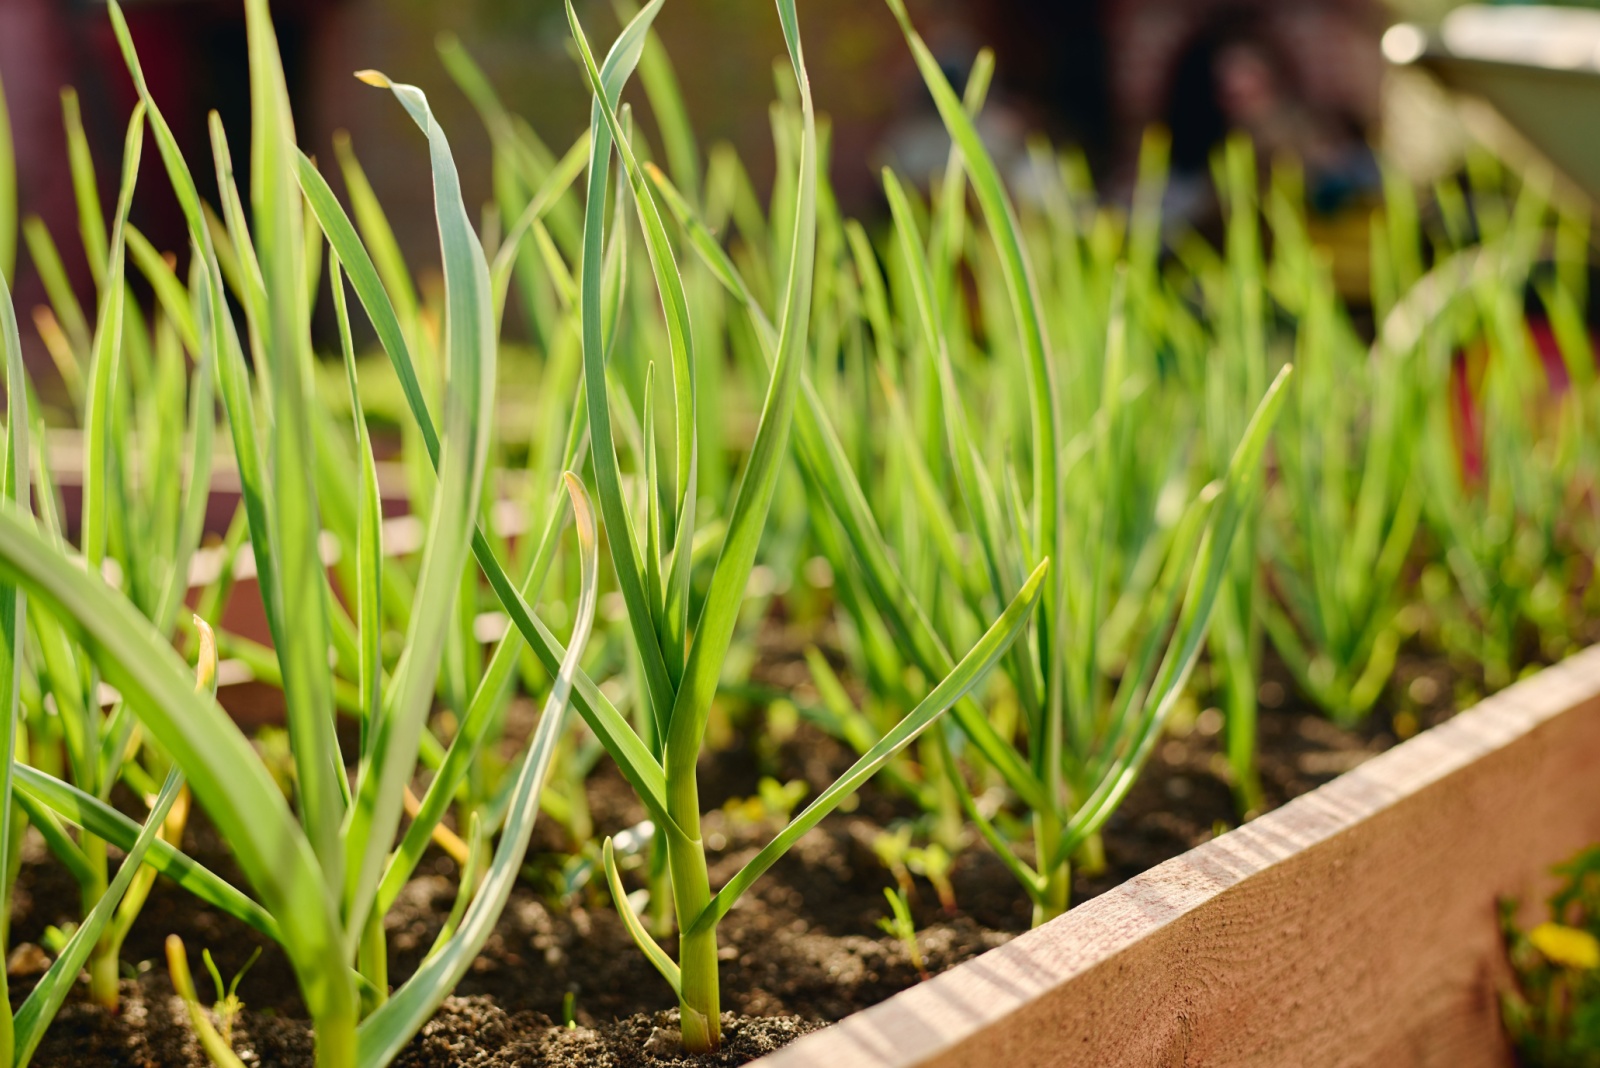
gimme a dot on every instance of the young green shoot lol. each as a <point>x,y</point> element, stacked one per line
<point>900,926</point>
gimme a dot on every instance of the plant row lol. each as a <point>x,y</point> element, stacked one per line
<point>1020,459</point>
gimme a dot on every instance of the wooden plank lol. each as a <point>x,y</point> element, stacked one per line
<point>1354,926</point>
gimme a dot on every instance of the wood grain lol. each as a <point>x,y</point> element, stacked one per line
<point>1354,926</point>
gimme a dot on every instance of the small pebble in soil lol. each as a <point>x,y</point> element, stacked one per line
<point>663,1040</point>
<point>1424,689</point>
<point>27,959</point>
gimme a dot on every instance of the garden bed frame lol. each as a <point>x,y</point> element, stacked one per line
<point>1356,925</point>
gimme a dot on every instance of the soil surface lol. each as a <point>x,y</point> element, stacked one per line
<point>560,983</point>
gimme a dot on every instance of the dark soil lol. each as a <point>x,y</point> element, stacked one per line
<point>803,948</point>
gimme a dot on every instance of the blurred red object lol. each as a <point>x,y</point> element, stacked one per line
<point>1466,386</point>
<point>193,54</point>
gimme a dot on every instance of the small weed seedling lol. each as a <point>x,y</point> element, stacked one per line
<point>899,925</point>
<point>214,1032</point>
<point>228,1004</point>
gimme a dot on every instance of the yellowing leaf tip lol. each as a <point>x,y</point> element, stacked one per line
<point>205,668</point>
<point>582,511</point>
<point>375,78</point>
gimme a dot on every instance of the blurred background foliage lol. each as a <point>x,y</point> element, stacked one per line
<point>1300,75</point>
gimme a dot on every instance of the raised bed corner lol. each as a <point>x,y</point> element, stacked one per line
<point>1355,925</point>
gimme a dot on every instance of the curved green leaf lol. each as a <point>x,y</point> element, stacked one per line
<point>101,820</point>
<point>470,350</point>
<point>389,1028</point>
<point>46,998</point>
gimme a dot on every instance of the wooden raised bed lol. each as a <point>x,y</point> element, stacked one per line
<point>1354,926</point>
